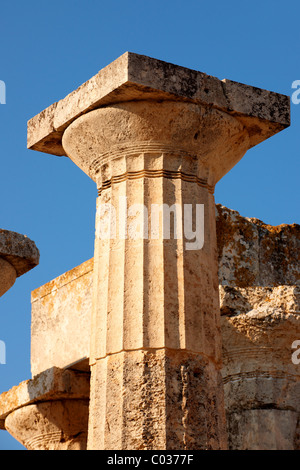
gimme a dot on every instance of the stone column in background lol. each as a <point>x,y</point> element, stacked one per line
<point>18,255</point>
<point>153,134</point>
<point>48,412</point>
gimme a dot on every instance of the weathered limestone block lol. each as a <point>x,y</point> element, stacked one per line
<point>72,291</point>
<point>60,321</point>
<point>134,77</point>
<point>147,293</point>
<point>173,391</point>
<point>252,253</point>
<point>260,321</point>
<point>18,255</point>
<point>8,276</point>
<point>49,412</point>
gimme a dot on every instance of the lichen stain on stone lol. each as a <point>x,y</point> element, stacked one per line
<point>256,253</point>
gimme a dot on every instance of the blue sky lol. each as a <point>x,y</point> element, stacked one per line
<point>50,48</point>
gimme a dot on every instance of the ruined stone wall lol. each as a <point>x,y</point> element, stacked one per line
<point>260,319</point>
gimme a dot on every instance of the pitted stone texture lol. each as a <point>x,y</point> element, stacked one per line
<point>52,425</point>
<point>60,321</point>
<point>142,301</point>
<point>259,275</point>
<point>156,400</point>
<point>152,300</point>
<point>135,77</point>
<point>265,430</point>
<point>8,276</point>
<point>256,302</point>
<point>52,384</point>
<point>216,139</point>
<point>238,246</point>
<point>261,383</point>
<point>252,253</point>
<point>154,292</point>
<point>19,251</point>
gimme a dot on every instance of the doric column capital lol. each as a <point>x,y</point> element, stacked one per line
<point>195,141</point>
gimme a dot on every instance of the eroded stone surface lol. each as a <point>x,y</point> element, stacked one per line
<point>51,425</point>
<point>260,319</point>
<point>8,276</point>
<point>60,321</point>
<point>196,141</point>
<point>19,251</point>
<point>51,384</point>
<point>264,429</point>
<point>154,292</point>
<point>135,77</point>
<point>156,399</point>
<point>252,253</point>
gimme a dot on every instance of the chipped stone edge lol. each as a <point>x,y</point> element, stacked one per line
<point>52,384</point>
<point>55,284</point>
<point>21,252</point>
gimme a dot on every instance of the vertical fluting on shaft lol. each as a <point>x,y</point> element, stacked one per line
<point>155,339</point>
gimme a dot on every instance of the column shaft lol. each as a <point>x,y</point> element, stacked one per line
<point>155,329</point>
<point>155,338</point>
